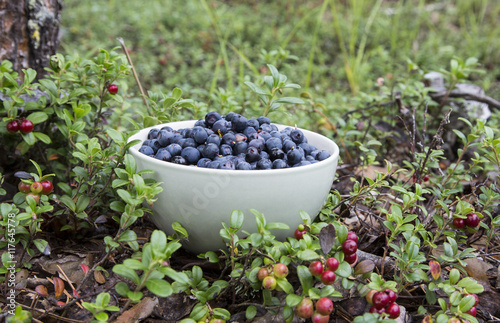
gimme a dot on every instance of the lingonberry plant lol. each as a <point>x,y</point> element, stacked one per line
<point>66,160</point>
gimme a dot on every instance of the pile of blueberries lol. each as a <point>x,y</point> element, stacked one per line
<point>232,142</point>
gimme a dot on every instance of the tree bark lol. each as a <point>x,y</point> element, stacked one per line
<point>29,30</point>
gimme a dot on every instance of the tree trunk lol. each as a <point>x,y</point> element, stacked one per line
<point>29,30</point>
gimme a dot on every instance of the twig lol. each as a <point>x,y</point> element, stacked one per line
<point>144,96</point>
<point>441,96</point>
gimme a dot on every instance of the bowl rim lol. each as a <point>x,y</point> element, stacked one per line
<point>134,150</point>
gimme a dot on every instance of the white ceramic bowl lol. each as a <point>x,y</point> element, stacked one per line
<point>200,199</point>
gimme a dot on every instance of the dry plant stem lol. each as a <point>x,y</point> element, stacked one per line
<point>440,96</point>
<point>144,96</point>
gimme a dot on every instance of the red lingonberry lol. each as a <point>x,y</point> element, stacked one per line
<point>319,318</point>
<point>13,126</point>
<point>26,126</point>
<point>316,268</point>
<point>269,283</point>
<point>280,270</point>
<point>369,296</point>
<point>47,187</point>
<point>324,306</point>
<point>351,259</point>
<point>328,277</point>
<point>472,311</point>
<point>24,187</point>
<point>349,247</point>
<point>332,263</point>
<point>262,273</point>
<point>305,308</point>
<point>392,295</point>
<point>36,187</point>
<point>476,298</point>
<point>393,310</point>
<point>380,300</point>
<point>299,234</point>
<point>351,235</point>
<point>113,89</point>
<point>472,220</point>
<point>458,223</point>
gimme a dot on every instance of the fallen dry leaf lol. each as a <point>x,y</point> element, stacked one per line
<point>139,311</point>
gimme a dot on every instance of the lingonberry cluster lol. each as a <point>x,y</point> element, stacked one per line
<point>383,302</point>
<point>25,126</point>
<point>325,273</point>
<point>36,189</point>
<point>319,312</point>
<point>300,231</point>
<point>472,221</point>
<point>269,276</point>
<point>349,247</point>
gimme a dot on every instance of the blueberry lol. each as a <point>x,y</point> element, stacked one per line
<point>266,127</point>
<point>228,164</point>
<point>260,144</point>
<point>314,153</point>
<point>146,142</point>
<point>240,137</point>
<point>276,153</point>
<point>279,163</point>
<point>225,150</point>
<point>288,145</point>
<point>273,142</point>
<point>164,137</point>
<point>185,132</point>
<point>210,151</point>
<point>297,136</point>
<point>229,116</point>
<point>214,164</point>
<point>146,150</point>
<point>287,131</point>
<point>179,160</point>
<point>253,123</point>
<point>294,156</point>
<point>167,128</point>
<point>200,123</point>
<point>252,154</point>
<point>307,148</point>
<point>220,127</point>
<point>163,154</point>
<point>302,163</point>
<point>211,118</point>
<point>176,138</point>
<point>248,131</point>
<point>322,155</point>
<point>153,133</point>
<point>155,145</point>
<point>240,147</point>
<point>228,139</point>
<point>191,155</point>
<point>263,120</point>
<point>264,154</point>
<point>200,148</point>
<point>264,134</point>
<point>213,139</point>
<point>203,162</point>
<point>238,123</point>
<point>274,128</point>
<point>199,135</point>
<point>244,166</point>
<point>264,163</point>
<point>189,142</point>
<point>174,149</point>
<point>310,158</point>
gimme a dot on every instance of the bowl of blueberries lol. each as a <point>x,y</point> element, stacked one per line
<point>221,163</point>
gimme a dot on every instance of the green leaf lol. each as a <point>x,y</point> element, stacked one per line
<point>256,89</point>
<point>292,300</point>
<point>237,218</point>
<point>42,137</point>
<point>66,200</point>
<point>344,269</point>
<point>177,276</point>
<point>308,255</point>
<point>158,242</point>
<point>135,296</point>
<point>305,278</point>
<point>126,272</point>
<point>29,138</point>
<point>288,99</point>
<point>466,303</point>
<point>127,235</point>
<point>40,244</point>
<point>285,285</point>
<point>250,312</point>
<point>159,287</point>
<point>37,117</point>
<point>116,136</point>
<point>276,225</point>
<point>221,313</point>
